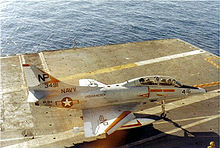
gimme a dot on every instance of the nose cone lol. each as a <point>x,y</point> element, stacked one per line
<point>197,90</point>
<point>193,90</point>
<point>202,90</point>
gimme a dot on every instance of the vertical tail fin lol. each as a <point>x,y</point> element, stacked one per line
<point>35,76</point>
<point>40,83</point>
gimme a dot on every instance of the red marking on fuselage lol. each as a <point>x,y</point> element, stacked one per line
<point>162,90</point>
<point>147,95</point>
<point>156,90</point>
<point>24,65</point>
<point>132,125</point>
<point>169,90</point>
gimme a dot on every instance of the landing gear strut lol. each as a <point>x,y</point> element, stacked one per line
<point>163,114</point>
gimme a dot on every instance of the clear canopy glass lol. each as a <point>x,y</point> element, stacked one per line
<point>154,80</point>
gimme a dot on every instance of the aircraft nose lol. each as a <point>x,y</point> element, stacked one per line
<point>198,90</point>
<point>194,90</point>
<point>202,90</point>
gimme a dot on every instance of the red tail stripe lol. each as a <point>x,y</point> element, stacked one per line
<point>25,65</point>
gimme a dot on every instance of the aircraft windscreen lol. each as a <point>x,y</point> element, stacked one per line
<point>147,81</point>
<point>177,84</point>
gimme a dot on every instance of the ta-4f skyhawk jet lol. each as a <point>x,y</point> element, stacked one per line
<point>106,108</point>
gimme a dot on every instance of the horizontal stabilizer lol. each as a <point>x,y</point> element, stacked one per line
<point>90,83</point>
<point>36,95</point>
<point>41,84</point>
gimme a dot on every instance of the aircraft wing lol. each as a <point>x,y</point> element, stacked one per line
<point>103,120</point>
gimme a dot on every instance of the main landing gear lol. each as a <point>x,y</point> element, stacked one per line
<point>163,114</point>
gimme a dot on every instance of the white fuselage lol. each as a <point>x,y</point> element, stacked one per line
<point>84,97</point>
<point>105,108</point>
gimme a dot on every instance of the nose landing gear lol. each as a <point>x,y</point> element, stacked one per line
<point>163,114</point>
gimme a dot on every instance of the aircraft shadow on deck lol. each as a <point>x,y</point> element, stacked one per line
<point>123,137</point>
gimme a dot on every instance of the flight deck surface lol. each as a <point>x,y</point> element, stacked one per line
<point>191,122</point>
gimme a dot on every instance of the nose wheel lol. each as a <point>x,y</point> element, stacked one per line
<point>163,114</point>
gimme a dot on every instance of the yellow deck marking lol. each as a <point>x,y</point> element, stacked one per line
<point>209,59</point>
<point>99,71</point>
<point>130,65</point>
<point>171,131</point>
<point>207,84</point>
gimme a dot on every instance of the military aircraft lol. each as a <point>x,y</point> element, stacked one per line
<point>106,108</point>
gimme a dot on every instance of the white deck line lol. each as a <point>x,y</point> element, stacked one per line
<point>170,57</point>
<point>181,120</point>
<point>23,59</point>
<point>43,61</point>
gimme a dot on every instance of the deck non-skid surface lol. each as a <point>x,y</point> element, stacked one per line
<point>25,125</point>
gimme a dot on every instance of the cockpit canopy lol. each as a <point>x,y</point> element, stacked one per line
<point>153,80</point>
